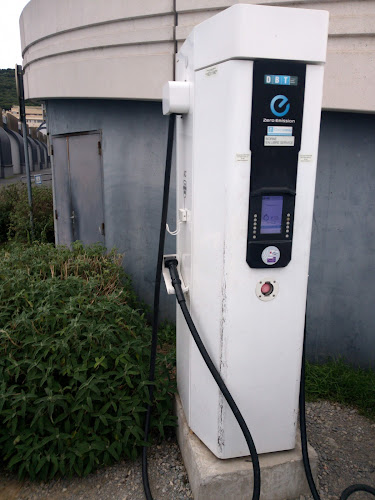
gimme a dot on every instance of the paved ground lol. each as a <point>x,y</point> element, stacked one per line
<point>46,177</point>
<point>344,440</point>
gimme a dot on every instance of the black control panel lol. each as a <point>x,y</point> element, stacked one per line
<point>275,141</point>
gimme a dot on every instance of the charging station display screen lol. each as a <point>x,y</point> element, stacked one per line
<point>271,216</point>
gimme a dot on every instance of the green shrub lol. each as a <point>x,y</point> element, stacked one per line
<point>167,334</point>
<point>15,214</point>
<point>9,197</point>
<point>74,364</point>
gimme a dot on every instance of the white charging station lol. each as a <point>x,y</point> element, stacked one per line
<point>248,92</point>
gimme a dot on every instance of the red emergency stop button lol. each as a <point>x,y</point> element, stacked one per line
<point>266,288</point>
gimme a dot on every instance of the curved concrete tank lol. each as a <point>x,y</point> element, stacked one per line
<point>33,154</point>
<point>18,152</point>
<point>5,154</point>
<point>124,49</point>
<point>42,153</point>
<point>46,156</point>
<point>15,153</point>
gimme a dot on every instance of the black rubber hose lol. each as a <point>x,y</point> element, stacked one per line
<point>305,455</point>
<point>155,319</point>
<point>176,282</point>
<point>302,424</point>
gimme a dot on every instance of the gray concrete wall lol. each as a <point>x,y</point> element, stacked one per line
<point>341,305</point>
<point>134,141</point>
<point>341,314</point>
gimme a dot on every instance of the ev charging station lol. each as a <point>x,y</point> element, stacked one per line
<point>248,95</point>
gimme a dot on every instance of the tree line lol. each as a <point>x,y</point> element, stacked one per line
<point>8,91</point>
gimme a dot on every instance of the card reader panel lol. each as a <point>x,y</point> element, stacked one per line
<point>275,141</point>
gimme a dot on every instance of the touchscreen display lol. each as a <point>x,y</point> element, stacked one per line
<point>272,214</point>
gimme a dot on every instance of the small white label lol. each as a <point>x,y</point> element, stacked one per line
<point>279,130</point>
<point>38,179</point>
<point>270,255</point>
<point>242,157</point>
<point>278,140</point>
<point>305,158</point>
<point>211,71</point>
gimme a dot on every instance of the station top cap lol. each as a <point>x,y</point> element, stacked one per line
<point>261,32</point>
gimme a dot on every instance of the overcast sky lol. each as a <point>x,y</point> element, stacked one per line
<point>10,45</point>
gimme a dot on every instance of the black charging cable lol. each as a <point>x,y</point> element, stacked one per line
<point>155,319</point>
<point>176,282</point>
<point>181,299</point>
<point>171,264</point>
<point>305,455</point>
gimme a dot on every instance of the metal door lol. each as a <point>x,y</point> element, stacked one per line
<point>78,185</point>
<point>62,206</point>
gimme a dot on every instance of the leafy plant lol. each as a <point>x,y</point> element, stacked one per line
<point>9,197</point>
<point>19,228</point>
<point>15,213</point>
<point>74,364</point>
<point>167,333</point>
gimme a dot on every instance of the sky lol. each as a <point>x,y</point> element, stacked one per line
<point>10,44</point>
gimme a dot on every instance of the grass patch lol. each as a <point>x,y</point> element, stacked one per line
<point>339,382</point>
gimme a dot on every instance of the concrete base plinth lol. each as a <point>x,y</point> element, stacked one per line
<point>282,473</point>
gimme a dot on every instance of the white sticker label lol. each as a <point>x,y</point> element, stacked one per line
<point>270,255</point>
<point>279,130</point>
<point>211,71</point>
<point>278,140</point>
<point>305,158</point>
<point>242,157</point>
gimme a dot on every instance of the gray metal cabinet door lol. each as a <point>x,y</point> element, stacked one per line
<point>78,186</point>
<point>86,184</point>
<point>62,191</point>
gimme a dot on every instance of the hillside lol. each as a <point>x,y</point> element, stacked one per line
<point>8,93</point>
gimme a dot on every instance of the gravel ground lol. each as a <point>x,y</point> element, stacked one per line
<point>344,440</point>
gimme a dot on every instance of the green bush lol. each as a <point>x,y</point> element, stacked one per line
<point>9,197</point>
<point>75,361</point>
<point>15,214</point>
<point>167,334</point>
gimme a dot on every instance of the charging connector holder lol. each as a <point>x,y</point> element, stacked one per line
<point>183,216</point>
<point>167,277</point>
